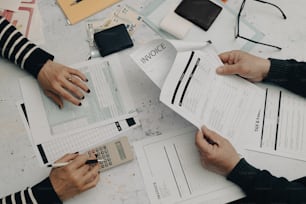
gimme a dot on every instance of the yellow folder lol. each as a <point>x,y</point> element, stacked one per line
<point>76,11</point>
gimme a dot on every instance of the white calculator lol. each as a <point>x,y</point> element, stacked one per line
<point>114,153</point>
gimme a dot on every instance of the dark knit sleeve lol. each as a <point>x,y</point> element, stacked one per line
<point>18,49</point>
<point>44,193</point>
<point>41,193</point>
<point>262,187</point>
<point>289,74</point>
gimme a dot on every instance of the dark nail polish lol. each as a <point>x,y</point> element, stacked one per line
<point>83,97</point>
<point>76,152</point>
<point>88,91</point>
<point>59,106</point>
<point>86,80</point>
<point>80,104</point>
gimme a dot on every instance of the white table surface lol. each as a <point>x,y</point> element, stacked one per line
<point>124,184</point>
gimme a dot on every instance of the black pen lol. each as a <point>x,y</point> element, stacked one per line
<point>61,164</point>
<point>75,2</point>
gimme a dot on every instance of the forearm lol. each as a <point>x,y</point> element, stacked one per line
<point>288,74</point>
<point>262,187</point>
<point>41,193</point>
<point>19,50</point>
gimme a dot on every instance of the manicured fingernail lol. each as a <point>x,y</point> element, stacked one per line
<point>76,152</point>
<point>80,104</point>
<point>83,97</point>
<point>88,91</point>
<point>59,106</point>
<point>86,80</point>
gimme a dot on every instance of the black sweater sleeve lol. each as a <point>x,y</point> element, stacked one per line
<point>289,74</point>
<point>262,187</point>
<point>41,193</point>
<point>259,185</point>
<point>19,50</point>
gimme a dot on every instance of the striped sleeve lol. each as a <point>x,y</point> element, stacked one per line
<point>19,50</point>
<point>42,192</point>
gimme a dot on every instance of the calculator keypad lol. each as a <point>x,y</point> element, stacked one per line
<point>103,154</point>
<point>113,153</point>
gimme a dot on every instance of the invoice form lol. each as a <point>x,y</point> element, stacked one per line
<point>283,122</point>
<point>172,171</point>
<point>108,102</point>
<point>228,105</point>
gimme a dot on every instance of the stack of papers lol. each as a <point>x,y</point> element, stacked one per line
<point>11,5</point>
<point>172,172</point>
<point>107,111</point>
<point>25,17</point>
<point>186,74</point>
<point>265,119</point>
<point>229,105</point>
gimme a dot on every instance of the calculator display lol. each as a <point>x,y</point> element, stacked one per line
<point>120,150</point>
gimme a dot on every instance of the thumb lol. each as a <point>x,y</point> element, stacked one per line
<point>202,143</point>
<point>228,69</point>
<point>55,98</point>
<point>211,137</point>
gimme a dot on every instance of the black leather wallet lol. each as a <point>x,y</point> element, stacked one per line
<point>113,40</point>
<point>200,12</point>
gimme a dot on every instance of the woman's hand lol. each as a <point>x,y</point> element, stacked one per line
<point>59,81</point>
<point>74,178</point>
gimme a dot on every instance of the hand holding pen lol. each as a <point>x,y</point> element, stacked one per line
<point>75,176</point>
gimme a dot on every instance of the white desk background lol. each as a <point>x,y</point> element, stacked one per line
<point>18,166</point>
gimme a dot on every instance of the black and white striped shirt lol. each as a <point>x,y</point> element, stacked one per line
<point>41,193</point>
<point>19,50</point>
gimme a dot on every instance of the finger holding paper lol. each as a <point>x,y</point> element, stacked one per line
<point>248,66</point>
<point>216,152</point>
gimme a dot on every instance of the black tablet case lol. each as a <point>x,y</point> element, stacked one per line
<point>200,12</point>
<point>113,40</point>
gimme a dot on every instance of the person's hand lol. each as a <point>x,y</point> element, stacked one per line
<point>74,178</point>
<point>248,66</point>
<point>217,153</point>
<point>59,81</point>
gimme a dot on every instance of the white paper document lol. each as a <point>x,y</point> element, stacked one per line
<point>109,103</point>
<point>11,5</point>
<point>283,125</point>
<point>156,57</point>
<point>26,18</point>
<point>172,172</point>
<point>225,104</point>
<point>186,73</point>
